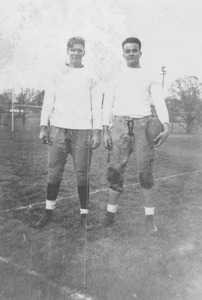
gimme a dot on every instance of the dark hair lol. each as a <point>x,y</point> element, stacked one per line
<point>132,40</point>
<point>75,40</point>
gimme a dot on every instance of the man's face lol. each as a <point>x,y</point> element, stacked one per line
<point>132,53</point>
<point>76,53</point>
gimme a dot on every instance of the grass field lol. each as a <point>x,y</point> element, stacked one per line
<point>124,262</point>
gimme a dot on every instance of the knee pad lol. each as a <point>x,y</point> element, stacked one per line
<point>115,179</point>
<point>113,176</point>
<point>146,180</point>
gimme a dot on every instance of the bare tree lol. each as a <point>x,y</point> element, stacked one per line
<point>5,105</point>
<point>185,102</point>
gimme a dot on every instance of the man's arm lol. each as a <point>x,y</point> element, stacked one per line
<point>162,137</point>
<point>43,135</point>
<point>158,100</point>
<point>96,114</point>
<point>108,103</point>
<point>107,141</point>
<point>47,108</point>
<point>107,115</point>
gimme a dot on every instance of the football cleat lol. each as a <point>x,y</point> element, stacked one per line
<point>85,223</point>
<point>108,220</point>
<point>45,219</point>
<point>151,227</point>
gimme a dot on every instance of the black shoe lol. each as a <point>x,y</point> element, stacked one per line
<point>108,220</point>
<point>45,219</point>
<point>86,224</point>
<point>151,227</point>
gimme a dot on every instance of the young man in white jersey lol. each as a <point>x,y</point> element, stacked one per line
<point>73,109</point>
<point>128,126</point>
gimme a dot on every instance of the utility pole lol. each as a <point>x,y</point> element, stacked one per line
<point>163,73</point>
<point>12,111</point>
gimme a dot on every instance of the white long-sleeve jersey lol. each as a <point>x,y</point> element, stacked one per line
<point>73,100</point>
<point>131,94</point>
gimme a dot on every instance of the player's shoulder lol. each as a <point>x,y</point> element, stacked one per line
<point>153,74</point>
<point>60,72</point>
<point>88,74</point>
<point>88,71</point>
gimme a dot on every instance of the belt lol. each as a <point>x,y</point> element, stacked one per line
<point>130,122</point>
<point>127,118</point>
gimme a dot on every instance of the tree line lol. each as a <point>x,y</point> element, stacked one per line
<point>23,102</point>
<point>184,103</point>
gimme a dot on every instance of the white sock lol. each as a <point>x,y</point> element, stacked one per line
<point>50,204</point>
<point>149,211</point>
<point>84,211</point>
<point>112,208</point>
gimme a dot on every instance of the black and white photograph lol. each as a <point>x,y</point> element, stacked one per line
<point>100,150</point>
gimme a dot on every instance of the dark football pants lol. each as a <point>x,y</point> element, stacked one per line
<point>76,143</point>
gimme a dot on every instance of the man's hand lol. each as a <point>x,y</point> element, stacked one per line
<point>43,135</point>
<point>95,141</point>
<point>162,137</point>
<point>107,141</point>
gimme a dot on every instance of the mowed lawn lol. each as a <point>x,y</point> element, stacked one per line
<point>61,261</point>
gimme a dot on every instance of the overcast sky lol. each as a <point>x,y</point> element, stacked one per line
<point>33,36</point>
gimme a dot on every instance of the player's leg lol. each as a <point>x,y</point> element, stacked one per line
<point>57,156</point>
<point>117,160</point>
<point>148,196</point>
<point>145,158</point>
<point>82,154</point>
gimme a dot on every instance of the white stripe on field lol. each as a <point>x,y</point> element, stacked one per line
<point>167,177</point>
<point>98,191</point>
<point>182,174</point>
<point>65,290</point>
<point>74,295</point>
